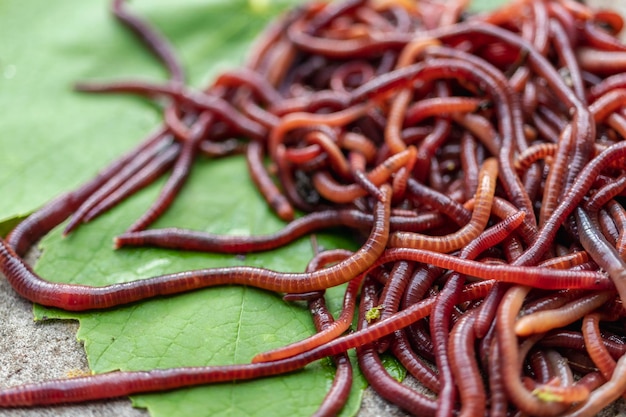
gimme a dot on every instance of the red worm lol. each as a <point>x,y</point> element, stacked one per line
<point>201,101</point>
<point>332,331</point>
<point>185,239</point>
<point>144,177</point>
<point>570,200</point>
<point>533,276</point>
<point>339,391</point>
<point>270,192</point>
<point>302,119</point>
<point>465,368</point>
<point>118,384</point>
<point>377,375</point>
<point>154,40</point>
<point>605,394</point>
<point>413,363</point>
<point>603,253</point>
<point>544,320</point>
<point>131,168</point>
<point>595,346</point>
<point>180,172</point>
<point>337,193</point>
<point>480,216</point>
<point>253,81</point>
<point>42,221</point>
<point>79,297</point>
<point>509,357</point>
<point>603,195</point>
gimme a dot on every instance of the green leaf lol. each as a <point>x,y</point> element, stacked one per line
<point>221,325</point>
<point>54,139</point>
<point>394,367</point>
<point>486,5</point>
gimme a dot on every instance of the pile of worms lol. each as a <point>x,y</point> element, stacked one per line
<point>482,159</point>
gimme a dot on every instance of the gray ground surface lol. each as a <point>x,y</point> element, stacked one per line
<point>32,351</point>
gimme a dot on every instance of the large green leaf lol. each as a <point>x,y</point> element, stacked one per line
<point>59,138</point>
<point>214,326</point>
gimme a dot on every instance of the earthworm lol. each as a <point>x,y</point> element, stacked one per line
<point>425,195</point>
<point>618,214</point>
<point>127,171</point>
<point>552,300</point>
<point>565,392</point>
<point>357,167</point>
<point>337,395</point>
<point>606,193</point>
<point>480,216</point>
<point>174,123</point>
<point>415,365</point>
<point>184,239</point>
<point>463,365</point>
<point>508,357</point>
<point>180,172</point>
<point>498,401</point>
<point>440,325</point>
<point>297,120</point>
<point>42,221</point>
<point>595,347</point>
<point>264,183</point>
<point>336,160</point>
<point>78,297</point>
<point>337,193</point>
<point>544,320</point>
<point>159,165</point>
<point>605,255</point>
<point>599,61</point>
<point>535,276</point>
<point>575,194</point>
<point>378,377</point>
<point>603,395</point>
<point>252,80</point>
<point>398,280</point>
<point>148,34</point>
<point>117,384</point>
<point>201,101</point>
<point>330,332</point>
<point>469,161</point>
<point>448,297</point>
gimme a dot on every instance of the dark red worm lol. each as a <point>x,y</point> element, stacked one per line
<point>265,184</point>
<point>603,253</point>
<point>180,172</point>
<point>148,34</point>
<point>213,103</point>
<point>371,365</point>
<point>338,393</point>
<point>144,177</point>
<point>129,170</point>
<point>537,277</point>
<point>42,221</point>
<point>80,297</point>
<point>465,369</point>
<point>185,239</point>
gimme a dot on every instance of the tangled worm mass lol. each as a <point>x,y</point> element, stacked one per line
<point>482,159</point>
